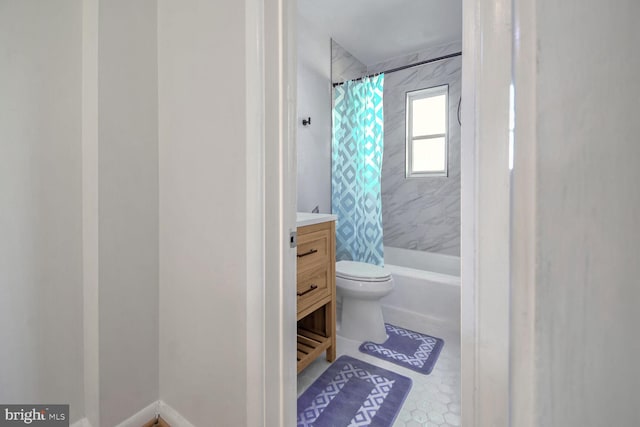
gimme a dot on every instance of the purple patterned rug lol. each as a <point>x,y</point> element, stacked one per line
<point>353,393</point>
<point>406,348</point>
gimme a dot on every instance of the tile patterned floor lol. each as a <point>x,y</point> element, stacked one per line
<point>434,400</point>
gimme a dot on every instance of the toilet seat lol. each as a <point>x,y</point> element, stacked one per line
<point>361,272</point>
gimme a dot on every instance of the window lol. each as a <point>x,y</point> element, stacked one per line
<point>427,123</point>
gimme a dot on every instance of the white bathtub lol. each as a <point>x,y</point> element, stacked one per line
<point>427,290</point>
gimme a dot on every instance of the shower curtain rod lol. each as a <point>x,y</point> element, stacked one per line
<point>404,67</point>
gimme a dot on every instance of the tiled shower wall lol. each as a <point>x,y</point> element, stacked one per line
<point>420,213</point>
<point>344,66</point>
<point>417,213</point>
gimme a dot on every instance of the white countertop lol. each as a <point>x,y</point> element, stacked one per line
<point>304,218</point>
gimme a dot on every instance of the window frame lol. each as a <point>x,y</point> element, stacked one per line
<point>409,138</point>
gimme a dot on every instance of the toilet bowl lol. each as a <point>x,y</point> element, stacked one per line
<point>361,286</point>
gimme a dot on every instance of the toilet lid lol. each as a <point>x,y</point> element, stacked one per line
<point>361,271</point>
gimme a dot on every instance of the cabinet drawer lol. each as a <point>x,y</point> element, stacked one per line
<point>313,285</point>
<point>313,249</point>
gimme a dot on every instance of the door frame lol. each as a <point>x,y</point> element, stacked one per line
<point>486,213</point>
<point>486,300</point>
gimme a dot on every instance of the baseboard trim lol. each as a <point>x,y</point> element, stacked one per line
<point>142,417</point>
<point>167,413</point>
<point>172,417</point>
<point>156,422</point>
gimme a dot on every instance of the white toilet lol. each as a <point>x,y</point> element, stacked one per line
<point>361,286</point>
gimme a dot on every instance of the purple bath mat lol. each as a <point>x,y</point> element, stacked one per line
<point>410,349</point>
<point>353,393</point>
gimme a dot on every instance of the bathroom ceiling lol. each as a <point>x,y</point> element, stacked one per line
<point>376,30</point>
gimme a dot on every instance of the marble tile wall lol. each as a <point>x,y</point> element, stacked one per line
<point>420,213</point>
<point>428,53</point>
<point>344,66</point>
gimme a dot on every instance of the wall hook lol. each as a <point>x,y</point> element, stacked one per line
<point>306,122</point>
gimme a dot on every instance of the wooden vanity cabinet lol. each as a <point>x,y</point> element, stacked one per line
<point>316,292</point>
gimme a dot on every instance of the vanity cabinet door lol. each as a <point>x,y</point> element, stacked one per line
<point>313,286</point>
<point>313,250</point>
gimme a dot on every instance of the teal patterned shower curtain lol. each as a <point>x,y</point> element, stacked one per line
<point>357,148</point>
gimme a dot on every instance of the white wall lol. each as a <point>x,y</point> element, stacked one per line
<point>40,203</point>
<point>128,208</point>
<point>201,75</point>
<point>588,206</point>
<point>90,212</point>
<point>314,100</point>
